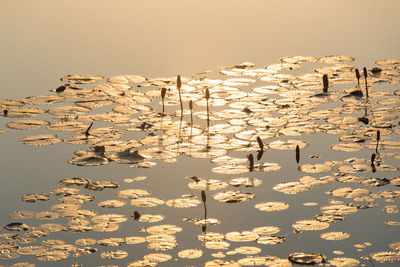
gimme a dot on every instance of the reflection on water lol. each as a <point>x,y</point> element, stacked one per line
<point>326,145</point>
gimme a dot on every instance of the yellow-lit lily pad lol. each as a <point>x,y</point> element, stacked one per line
<point>233,196</point>
<point>271,206</point>
<point>40,140</point>
<point>335,236</point>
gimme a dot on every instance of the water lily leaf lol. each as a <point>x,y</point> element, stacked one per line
<point>270,240</point>
<point>31,250</point>
<point>17,226</point>
<point>335,236</point>
<point>358,194</point>
<point>33,197</point>
<point>306,258</point>
<point>245,236</point>
<point>338,209</point>
<point>21,214</point>
<point>266,230</point>
<point>151,218</point>
<point>183,203</point>
<point>232,196</point>
<point>252,260</point>
<point>113,203</point>
<point>216,245</point>
<point>109,218</point>
<point>385,256</point>
<point>27,124</point>
<point>315,168</point>
<point>68,111</point>
<point>166,229</point>
<point>157,257</point>
<point>344,262</point>
<point>387,62</point>
<point>247,250</point>
<point>245,181</point>
<point>47,215</point>
<point>40,140</point>
<point>147,202</point>
<point>207,184</point>
<point>81,79</point>
<point>53,255</point>
<point>190,253</point>
<point>271,206</point>
<point>287,145</point>
<point>292,187</point>
<point>310,225</point>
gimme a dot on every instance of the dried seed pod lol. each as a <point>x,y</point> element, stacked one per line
<point>260,143</point>
<point>203,196</point>
<point>325,82</point>
<point>178,85</point>
<point>136,215</point>
<point>297,154</point>
<point>358,76</point>
<point>373,156</point>
<point>178,82</point>
<point>207,94</point>
<point>163,92</point>
<point>251,162</point>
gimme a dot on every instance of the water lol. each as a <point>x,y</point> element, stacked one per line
<point>44,41</point>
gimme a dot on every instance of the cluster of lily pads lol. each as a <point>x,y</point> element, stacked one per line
<point>249,110</point>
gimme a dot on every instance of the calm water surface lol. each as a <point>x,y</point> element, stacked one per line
<point>45,40</point>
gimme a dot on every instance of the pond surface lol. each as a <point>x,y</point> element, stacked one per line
<point>99,173</point>
<point>295,162</point>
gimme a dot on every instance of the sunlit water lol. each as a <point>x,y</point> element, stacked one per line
<point>41,43</point>
<point>331,202</point>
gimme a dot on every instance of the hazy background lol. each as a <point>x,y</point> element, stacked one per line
<point>43,40</point>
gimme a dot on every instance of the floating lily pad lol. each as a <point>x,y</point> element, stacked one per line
<point>53,255</point>
<point>287,145</point>
<point>335,236</point>
<point>147,202</point>
<point>310,225</point>
<point>112,203</point>
<point>344,262</point>
<point>271,206</point>
<point>21,214</point>
<point>157,257</point>
<point>270,240</point>
<point>292,187</point>
<point>166,229</point>
<point>27,124</point>
<point>245,181</point>
<point>182,203</point>
<point>307,258</point>
<point>33,197</point>
<point>190,253</point>
<point>208,184</point>
<point>233,196</point>
<point>40,140</point>
<point>347,192</point>
<point>385,256</point>
<point>266,230</point>
<point>245,236</point>
<point>17,226</point>
<point>338,209</point>
<point>315,168</point>
<point>47,215</point>
<point>81,79</point>
<point>115,254</point>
